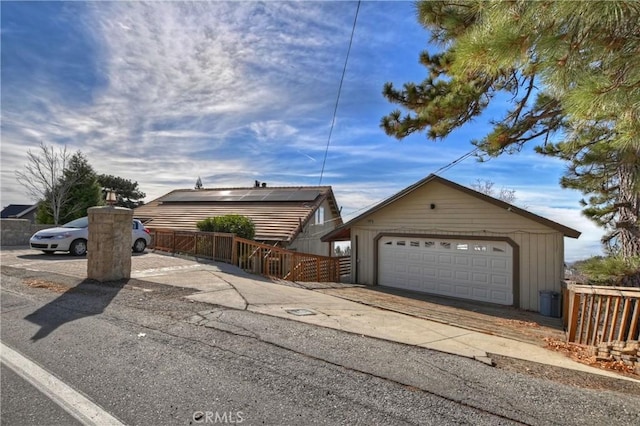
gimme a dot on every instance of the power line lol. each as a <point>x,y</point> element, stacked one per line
<point>456,161</point>
<point>441,169</point>
<point>335,109</point>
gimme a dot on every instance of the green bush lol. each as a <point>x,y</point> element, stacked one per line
<point>611,270</point>
<point>242,226</point>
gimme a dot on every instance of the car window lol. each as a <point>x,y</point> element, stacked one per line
<point>83,222</point>
<point>135,224</point>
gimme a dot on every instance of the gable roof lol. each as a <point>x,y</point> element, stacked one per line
<point>343,232</point>
<point>17,210</point>
<point>279,213</point>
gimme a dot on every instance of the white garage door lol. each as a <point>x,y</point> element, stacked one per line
<point>469,269</point>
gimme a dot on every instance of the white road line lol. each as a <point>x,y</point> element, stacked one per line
<point>76,404</point>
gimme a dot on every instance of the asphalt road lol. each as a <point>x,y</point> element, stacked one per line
<point>147,356</point>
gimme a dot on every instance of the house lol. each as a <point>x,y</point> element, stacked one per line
<point>289,217</point>
<point>442,238</point>
<point>20,211</point>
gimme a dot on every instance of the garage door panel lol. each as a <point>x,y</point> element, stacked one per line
<point>499,264</point>
<point>462,291</point>
<point>429,258</point>
<point>479,293</point>
<point>461,275</point>
<point>480,262</point>
<point>480,278</point>
<point>477,270</point>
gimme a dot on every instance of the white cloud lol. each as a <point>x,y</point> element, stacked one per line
<point>272,130</point>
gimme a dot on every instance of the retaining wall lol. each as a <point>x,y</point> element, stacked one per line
<point>16,232</point>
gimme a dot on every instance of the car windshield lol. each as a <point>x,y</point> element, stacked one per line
<point>83,222</point>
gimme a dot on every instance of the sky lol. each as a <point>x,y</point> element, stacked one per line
<point>162,93</point>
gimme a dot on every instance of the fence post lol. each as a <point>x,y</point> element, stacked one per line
<point>574,305</point>
<point>213,246</point>
<point>234,251</point>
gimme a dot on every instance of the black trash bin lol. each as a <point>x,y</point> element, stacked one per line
<point>550,303</point>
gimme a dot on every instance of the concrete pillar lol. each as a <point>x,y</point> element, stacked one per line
<point>109,246</point>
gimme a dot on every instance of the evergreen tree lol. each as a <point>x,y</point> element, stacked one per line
<point>127,193</point>
<point>570,69</point>
<point>85,192</point>
<point>198,183</point>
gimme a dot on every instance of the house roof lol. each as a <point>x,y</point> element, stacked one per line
<point>17,210</point>
<point>343,232</point>
<point>279,213</point>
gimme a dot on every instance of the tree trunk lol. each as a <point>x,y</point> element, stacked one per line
<point>629,208</point>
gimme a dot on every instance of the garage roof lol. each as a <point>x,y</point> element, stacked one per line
<point>343,232</point>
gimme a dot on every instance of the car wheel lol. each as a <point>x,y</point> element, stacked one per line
<point>139,245</point>
<point>78,248</point>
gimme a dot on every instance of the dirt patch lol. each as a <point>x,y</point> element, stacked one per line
<point>584,355</point>
<point>49,285</point>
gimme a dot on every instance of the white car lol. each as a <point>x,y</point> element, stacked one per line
<point>73,236</point>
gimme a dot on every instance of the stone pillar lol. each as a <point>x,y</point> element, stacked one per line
<point>109,245</point>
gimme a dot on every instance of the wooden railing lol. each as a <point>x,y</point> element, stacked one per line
<point>597,314</point>
<point>286,264</point>
<point>209,245</point>
<point>250,255</point>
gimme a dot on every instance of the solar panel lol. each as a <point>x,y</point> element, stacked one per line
<point>244,195</point>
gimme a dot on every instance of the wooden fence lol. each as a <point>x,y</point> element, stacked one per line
<point>598,314</point>
<point>251,256</point>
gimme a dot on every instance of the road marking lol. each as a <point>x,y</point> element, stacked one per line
<point>74,403</point>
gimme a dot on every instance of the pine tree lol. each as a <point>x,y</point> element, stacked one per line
<point>127,193</point>
<point>198,183</point>
<point>571,71</point>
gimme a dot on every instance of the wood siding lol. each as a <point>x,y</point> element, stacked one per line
<point>308,241</point>
<point>541,248</point>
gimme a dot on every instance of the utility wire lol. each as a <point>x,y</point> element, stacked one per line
<point>441,169</point>
<point>335,109</point>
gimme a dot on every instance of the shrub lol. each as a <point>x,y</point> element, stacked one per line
<point>611,270</point>
<point>242,226</point>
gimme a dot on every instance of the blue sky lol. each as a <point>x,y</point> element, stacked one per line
<point>233,92</point>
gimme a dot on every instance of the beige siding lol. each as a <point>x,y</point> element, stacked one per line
<point>541,249</point>
<point>308,241</point>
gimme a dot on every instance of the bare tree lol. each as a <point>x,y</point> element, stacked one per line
<point>486,187</point>
<point>43,177</point>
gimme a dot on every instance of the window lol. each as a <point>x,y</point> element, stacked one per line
<point>401,243</point>
<point>498,250</point>
<point>320,216</point>
<point>388,243</point>
<point>462,246</point>
<point>445,245</point>
<point>429,244</point>
<point>479,247</point>
<point>414,243</point>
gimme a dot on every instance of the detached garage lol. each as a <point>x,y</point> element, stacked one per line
<point>441,238</point>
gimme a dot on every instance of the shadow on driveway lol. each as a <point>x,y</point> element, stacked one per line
<point>88,298</point>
